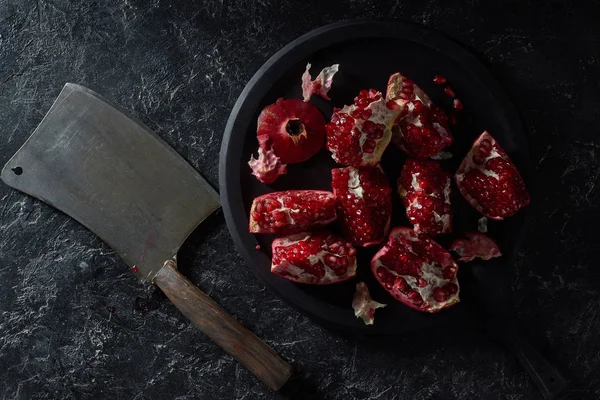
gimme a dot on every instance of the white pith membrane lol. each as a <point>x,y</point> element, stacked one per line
<point>364,306</point>
<point>477,245</point>
<point>432,273</point>
<point>286,268</point>
<point>321,84</point>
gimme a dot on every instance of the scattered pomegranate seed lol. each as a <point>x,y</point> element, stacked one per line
<point>257,247</point>
<point>452,119</point>
<point>449,91</point>
<point>134,269</point>
<point>439,80</point>
<point>457,105</point>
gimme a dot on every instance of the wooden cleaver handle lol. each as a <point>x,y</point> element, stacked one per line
<point>222,328</point>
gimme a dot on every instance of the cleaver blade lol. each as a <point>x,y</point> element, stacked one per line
<point>115,176</point>
<point>110,172</point>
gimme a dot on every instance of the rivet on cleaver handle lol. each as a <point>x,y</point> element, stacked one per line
<point>115,176</point>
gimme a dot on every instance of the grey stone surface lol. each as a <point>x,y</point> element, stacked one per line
<point>74,323</point>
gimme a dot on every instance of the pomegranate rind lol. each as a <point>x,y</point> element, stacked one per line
<point>421,129</point>
<point>317,258</point>
<point>291,149</point>
<point>425,191</point>
<point>503,192</point>
<point>360,141</point>
<point>364,204</point>
<point>477,245</point>
<point>409,257</point>
<point>267,167</point>
<point>298,210</point>
<point>322,83</point>
<point>364,306</point>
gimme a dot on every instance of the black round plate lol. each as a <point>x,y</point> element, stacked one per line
<point>368,52</point>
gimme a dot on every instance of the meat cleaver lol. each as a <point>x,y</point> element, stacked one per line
<point>119,179</point>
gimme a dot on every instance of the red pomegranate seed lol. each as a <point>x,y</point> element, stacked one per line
<point>452,119</point>
<point>134,269</point>
<point>257,247</point>
<point>439,80</point>
<point>449,91</point>
<point>457,105</point>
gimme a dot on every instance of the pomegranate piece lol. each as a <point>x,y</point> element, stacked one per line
<point>267,167</point>
<point>322,83</point>
<point>318,258</point>
<point>294,129</point>
<point>417,271</point>
<point>425,191</point>
<point>489,180</point>
<point>477,245</point>
<point>364,306</point>
<point>292,211</point>
<point>364,203</point>
<point>422,129</point>
<point>358,134</point>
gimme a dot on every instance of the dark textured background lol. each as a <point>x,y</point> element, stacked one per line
<point>74,323</point>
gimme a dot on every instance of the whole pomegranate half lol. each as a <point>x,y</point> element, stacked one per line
<point>318,258</point>
<point>292,211</point>
<point>425,191</point>
<point>364,203</point>
<point>364,306</point>
<point>477,245</point>
<point>358,134</point>
<point>294,129</point>
<point>417,271</point>
<point>267,167</point>
<point>489,180</point>
<point>422,127</point>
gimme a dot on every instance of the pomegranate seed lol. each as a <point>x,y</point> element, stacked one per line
<point>449,91</point>
<point>422,282</point>
<point>257,247</point>
<point>134,269</point>
<point>439,80</point>
<point>457,105</point>
<point>452,119</point>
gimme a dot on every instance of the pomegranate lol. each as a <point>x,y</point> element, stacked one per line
<point>322,83</point>
<point>477,245</point>
<point>292,211</point>
<point>267,167</point>
<point>417,271</point>
<point>489,180</point>
<point>318,258</point>
<point>422,127</point>
<point>364,203</point>
<point>425,191</point>
<point>358,134</point>
<point>294,129</point>
<point>364,306</point>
